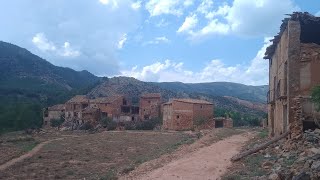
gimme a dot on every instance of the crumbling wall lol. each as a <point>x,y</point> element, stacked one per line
<point>150,107</point>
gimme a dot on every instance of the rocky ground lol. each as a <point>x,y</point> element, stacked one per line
<point>297,158</point>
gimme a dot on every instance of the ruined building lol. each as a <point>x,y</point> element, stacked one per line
<point>184,114</point>
<point>294,69</point>
<point>53,112</point>
<point>150,106</point>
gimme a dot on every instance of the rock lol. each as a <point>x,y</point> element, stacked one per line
<point>274,176</point>
<point>315,165</point>
<point>267,165</point>
<point>302,176</point>
<point>267,155</point>
<point>280,160</point>
<point>317,131</point>
<point>315,150</point>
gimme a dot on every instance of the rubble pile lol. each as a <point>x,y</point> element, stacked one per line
<point>296,158</point>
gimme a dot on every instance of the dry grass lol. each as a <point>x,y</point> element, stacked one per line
<point>94,156</point>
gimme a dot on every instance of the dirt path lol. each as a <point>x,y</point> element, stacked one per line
<point>27,155</point>
<point>206,163</point>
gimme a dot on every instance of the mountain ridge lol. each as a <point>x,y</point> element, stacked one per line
<point>29,83</point>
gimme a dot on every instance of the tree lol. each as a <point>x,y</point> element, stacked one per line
<point>316,96</point>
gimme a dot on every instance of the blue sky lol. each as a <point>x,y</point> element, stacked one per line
<point>152,40</point>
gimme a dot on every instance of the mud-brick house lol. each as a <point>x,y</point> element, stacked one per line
<point>75,106</point>
<point>294,69</point>
<point>53,112</point>
<point>222,122</point>
<point>109,106</point>
<point>185,114</point>
<point>150,106</point>
<point>91,115</point>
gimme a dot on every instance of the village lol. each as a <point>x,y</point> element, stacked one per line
<point>187,141</point>
<point>177,114</point>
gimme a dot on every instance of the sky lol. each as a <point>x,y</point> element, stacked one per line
<point>189,41</point>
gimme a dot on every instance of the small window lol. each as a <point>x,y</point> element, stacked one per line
<point>149,102</point>
<point>201,106</point>
<point>178,117</point>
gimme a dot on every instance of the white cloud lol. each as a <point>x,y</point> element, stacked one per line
<point>156,7</point>
<point>122,41</point>
<point>162,23</point>
<point>189,23</point>
<point>67,51</point>
<point>222,11</point>
<point>205,6</point>
<point>318,13</point>
<point>256,73</point>
<point>213,27</point>
<point>158,40</point>
<point>136,5</point>
<point>254,18</point>
<point>113,3</point>
<point>187,3</point>
<point>42,43</point>
<point>243,17</point>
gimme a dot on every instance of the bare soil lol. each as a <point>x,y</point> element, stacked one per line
<point>206,162</point>
<point>79,155</point>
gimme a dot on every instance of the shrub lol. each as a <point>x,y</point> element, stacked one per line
<point>315,95</point>
<point>86,126</point>
<point>148,124</point>
<point>112,126</point>
<point>108,123</point>
<point>129,126</point>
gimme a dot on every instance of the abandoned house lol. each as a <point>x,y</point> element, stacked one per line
<point>294,69</point>
<point>75,106</point>
<point>150,106</point>
<point>91,115</point>
<point>185,114</point>
<point>222,122</point>
<point>53,112</point>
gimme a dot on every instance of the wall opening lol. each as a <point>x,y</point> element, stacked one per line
<point>219,124</point>
<point>310,32</point>
<point>309,125</point>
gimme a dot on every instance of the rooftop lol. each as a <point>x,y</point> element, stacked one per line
<point>305,19</point>
<point>57,107</point>
<point>108,99</point>
<point>192,101</point>
<point>79,99</point>
<point>151,95</point>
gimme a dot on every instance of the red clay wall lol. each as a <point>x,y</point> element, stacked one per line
<point>149,107</point>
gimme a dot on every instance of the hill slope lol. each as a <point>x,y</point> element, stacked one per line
<point>133,88</point>
<point>28,83</point>
<point>241,91</point>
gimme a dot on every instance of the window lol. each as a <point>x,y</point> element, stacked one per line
<point>201,106</point>
<point>149,102</point>
<point>178,117</point>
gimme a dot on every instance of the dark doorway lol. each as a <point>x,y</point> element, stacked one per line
<point>219,124</point>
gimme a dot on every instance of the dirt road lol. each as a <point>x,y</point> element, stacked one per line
<point>206,163</point>
<point>25,156</point>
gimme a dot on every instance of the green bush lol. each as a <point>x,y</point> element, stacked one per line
<point>108,123</point>
<point>239,119</point>
<point>148,124</point>
<point>316,97</point>
<point>130,125</point>
<point>87,126</point>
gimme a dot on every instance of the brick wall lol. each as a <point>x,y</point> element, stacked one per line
<point>149,107</point>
